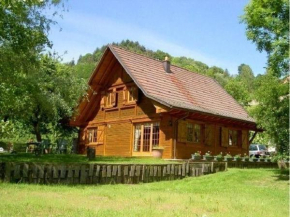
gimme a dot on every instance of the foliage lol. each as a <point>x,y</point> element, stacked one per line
<point>246,76</point>
<point>53,93</point>
<point>208,153</point>
<point>197,153</point>
<point>272,110</point>
<point>245,156</point>
<point>267,24</point>
<point>38,93</point>
<point>228,155</point>
<point>220,155</point>
<point>238,156</point>
<point>238,90</point>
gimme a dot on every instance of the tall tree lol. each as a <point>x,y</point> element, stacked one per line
<point>267,25</point>
<point>23,36</point>
<point>246,75</point>
<point>52,95</point>
<point>272,109</point>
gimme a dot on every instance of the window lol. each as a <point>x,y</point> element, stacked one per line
<point>92,135</point>
<point>155,134</point>
<point>233,137</point>
<point>137,138</point>
<point>189,132</point>
<point>96,135</point>
<point>253,148</point>
<point>197,133</point>
<point>146,135</point>
<point>109,99</point>
<point>131,94</point>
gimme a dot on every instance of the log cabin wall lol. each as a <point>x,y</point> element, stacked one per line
<point>211,140</point>
<point>166,136</point>
<point>117,122</point>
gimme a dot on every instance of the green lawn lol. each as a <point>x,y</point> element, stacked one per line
<point>237,192</point>
<point>74,158</point>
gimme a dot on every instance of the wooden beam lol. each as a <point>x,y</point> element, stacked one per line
<point>105,77</point>
<point>253,137</point>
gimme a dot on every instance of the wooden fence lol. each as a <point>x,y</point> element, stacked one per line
<point>249,165</point>
<point>103,173</point>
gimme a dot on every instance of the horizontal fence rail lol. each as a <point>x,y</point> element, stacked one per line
<point>242,164</point>
<point>245,164</point>
<point>103,173</point>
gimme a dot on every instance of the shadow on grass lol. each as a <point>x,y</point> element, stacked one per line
<point>281,174</point>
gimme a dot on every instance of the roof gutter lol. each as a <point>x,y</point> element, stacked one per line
<point>218,115</point>
<point>175,133</point>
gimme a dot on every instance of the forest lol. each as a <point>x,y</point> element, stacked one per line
<point>39,92</point>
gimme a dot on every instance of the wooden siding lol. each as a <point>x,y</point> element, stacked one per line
<point>219,138</point>
<point>118,120</point>
<point>166,136</point>
<point>118,137</point>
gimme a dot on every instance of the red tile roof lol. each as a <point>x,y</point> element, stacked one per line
<point>180,89</point>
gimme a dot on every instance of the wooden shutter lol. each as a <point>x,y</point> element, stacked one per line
<point>135,93</point>
<point>103,99</point>
<point>114,99</point>
<point>225,137</point>
<point>182,130</point>
<point>125,95</point>
<point>209,135</point>
<point>245,135</point>
<point>100,133</point>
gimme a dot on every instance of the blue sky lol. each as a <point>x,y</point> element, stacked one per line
<point>209,30</point>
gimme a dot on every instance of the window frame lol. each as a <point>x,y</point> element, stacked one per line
<point>130,95</point>
<point>140,141</point>
<point>191,129</point>
<point>200,136</point>
<point>233,137</point>
<point>92,134</point>
<point>109,99</point>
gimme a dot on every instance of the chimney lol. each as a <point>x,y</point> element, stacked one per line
<point>166,65</point>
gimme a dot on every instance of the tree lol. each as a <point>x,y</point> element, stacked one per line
<point>238,90</point>
<point>23,36</point>
<point>267,25</point>
<point>272,110</point>
<point>52,95</point>
<point>246,75</point>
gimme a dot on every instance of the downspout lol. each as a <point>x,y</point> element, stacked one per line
<point>175,134</point>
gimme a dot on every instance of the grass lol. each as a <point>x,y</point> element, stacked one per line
<point>74,158</point>
<point>237,192</point>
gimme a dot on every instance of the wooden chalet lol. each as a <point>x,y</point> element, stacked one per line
<point>136,103</point>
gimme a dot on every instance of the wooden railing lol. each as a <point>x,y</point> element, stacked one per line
<point>103,173</point>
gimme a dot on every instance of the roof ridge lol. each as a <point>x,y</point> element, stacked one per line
<point>159,61</point>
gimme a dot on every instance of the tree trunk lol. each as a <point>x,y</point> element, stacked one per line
<point>36,131</point>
